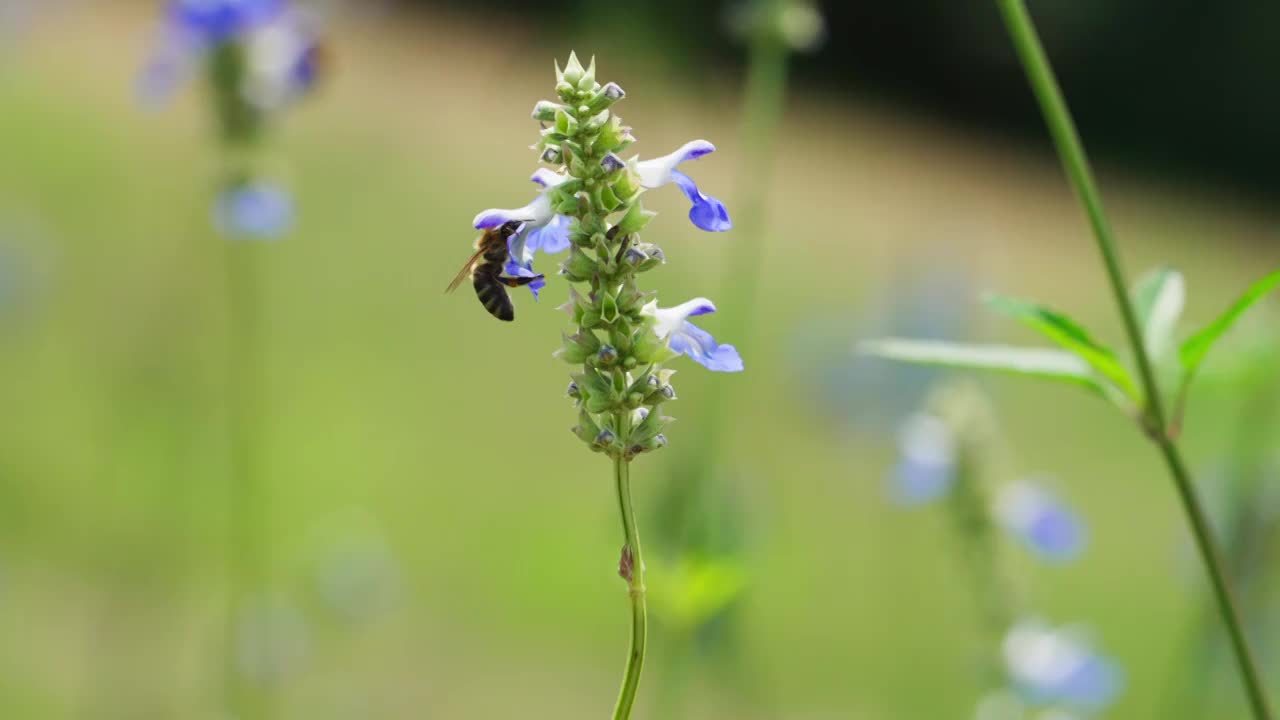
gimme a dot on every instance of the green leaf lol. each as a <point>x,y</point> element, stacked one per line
<point>1158,298</point>
<point>1197,346</point>
<point>1036,362</point>
<point>1071,337</point>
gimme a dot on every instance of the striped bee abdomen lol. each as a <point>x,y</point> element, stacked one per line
<point>493,294</point>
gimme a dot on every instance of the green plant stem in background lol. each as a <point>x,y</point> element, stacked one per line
<point>631,568</point>
<point>762,108</point>
<point>1071,151</point>
<point>247,501</point>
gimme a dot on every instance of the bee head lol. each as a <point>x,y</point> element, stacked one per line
<point>511,228</point>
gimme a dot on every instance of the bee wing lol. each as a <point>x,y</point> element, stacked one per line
<point>465,271</point>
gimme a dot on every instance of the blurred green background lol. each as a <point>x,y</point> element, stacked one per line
<point>448,548</point>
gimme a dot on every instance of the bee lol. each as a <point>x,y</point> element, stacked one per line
<point>485,270</point>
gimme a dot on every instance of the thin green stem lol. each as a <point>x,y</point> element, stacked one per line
<point>1071,150</point>
<point>247,501</point>
<point>631,568</point>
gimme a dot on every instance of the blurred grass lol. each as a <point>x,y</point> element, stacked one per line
<point>450,428</point>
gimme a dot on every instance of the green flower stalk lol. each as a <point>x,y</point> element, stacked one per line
<point>256,58</point>
<point>590,205</point>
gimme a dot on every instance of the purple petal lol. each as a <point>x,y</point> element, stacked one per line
<point>707,212</point>
<point>1055,533</point>
<point>702,309</point>
<point>552,238</point>
<point>917,481</point>
<point>216,21</point>
<point>695,150</point>
<point>493,218</point>
<point>698,345</point>
<point>515,269</point>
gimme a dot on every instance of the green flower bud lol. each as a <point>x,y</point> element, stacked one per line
<point>573,391</point>
<point>605,97</point>
<point>572,72</point>
<point>606,356</point>
<point>545,111</point>
<point>649,427</point>
<point>552,156</point>
<point>605,439</point>
<point>654,443</point>
<point>634,257</point>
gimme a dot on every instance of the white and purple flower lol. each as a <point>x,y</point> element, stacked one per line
<point>541,228</point>
<point>672,325</point>
<point>707,212</point>
<point>1051,666</point>
<point>282,48</point>
<point>1041,521</point>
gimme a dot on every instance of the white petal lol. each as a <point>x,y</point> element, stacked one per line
<point>536,214</point>
<point>657,172</point>
<point>548,178</point>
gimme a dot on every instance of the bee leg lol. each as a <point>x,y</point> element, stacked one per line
<point>516,282</point>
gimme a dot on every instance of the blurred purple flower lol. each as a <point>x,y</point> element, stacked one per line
<point>1041,521</point>
<point>1052,666</point>
<point>253,211</point>
<point>926,465</point>
<point>282,50</point>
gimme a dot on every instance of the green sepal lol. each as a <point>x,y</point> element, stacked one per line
<point>620,340</point>
<point>626,186</point>
<point>635,219</point>
<point>596,122</point>
<point>631,300</point>
<point>598,393</point>
<point>587,430</point>
<point>608,308</point>
<point>567,205</point>
<point>570,187</point>
<point>576,348</point>
<point>566,124</point>
<point>572,148</point>
<point>608,200</point>
<point>650,349</point>
<point>579,266</point>
<point>652,425</point>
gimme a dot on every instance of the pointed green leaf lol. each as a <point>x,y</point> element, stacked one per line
<point>1036,362</point>
<point>1071,337</point>
<point>1158,298</point>
<point>1197,346</point>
